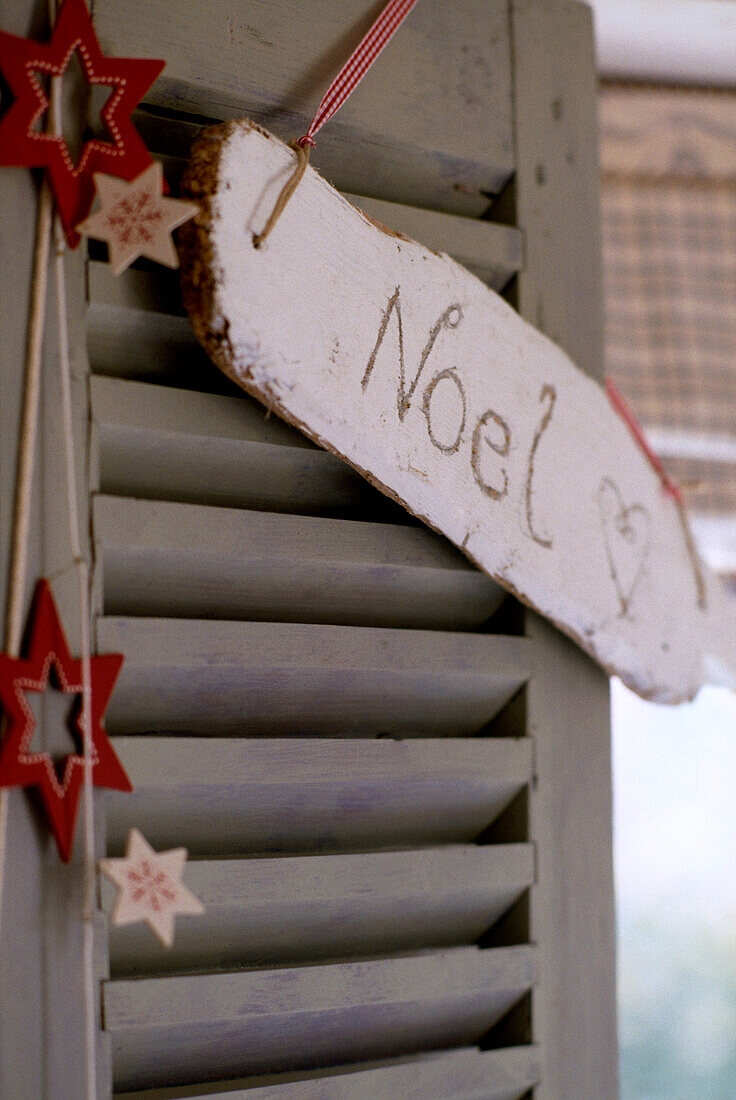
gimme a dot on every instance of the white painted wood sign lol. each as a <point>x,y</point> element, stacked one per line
<point>428,383</point>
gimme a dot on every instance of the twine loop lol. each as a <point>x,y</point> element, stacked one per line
<point>301,148</point>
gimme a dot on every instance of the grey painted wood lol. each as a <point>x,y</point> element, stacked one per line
<point>465,1074</point>
<point>556,182</point>
<point>391,140</point>
<point>150,347</point>
<point>24,1062</point>
<point>160,464</point>
<point>183,560</point>
<point>458,786</point>
<point>572,911</point>
<point>227,796</point>
<point>492,252</point>
<point>176,1030</point>
<point>302,909</point>
<point>294,679</point>
<point>41,984</point>
<point>152,442</point>
<point>140,406</point>
<point>572,906</point>
<point>138,291</point>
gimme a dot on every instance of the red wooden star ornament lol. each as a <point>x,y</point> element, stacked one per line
<point>23,143</point>
<point>47,651</point>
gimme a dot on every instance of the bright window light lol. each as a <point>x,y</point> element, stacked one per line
<point>675,859</point>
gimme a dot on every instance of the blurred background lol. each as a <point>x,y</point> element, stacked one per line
<point>668,191</point>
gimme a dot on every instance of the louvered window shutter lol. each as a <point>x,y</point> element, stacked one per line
<point>392,780</point>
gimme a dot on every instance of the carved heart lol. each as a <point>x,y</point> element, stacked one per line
<point>627,535</point>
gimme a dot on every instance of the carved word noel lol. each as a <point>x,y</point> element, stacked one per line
<point>489,431</point>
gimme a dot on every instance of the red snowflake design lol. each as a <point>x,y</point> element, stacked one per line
<point>151,888</point>
<point>131,218</point>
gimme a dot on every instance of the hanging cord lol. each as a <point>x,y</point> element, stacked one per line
<point>302,160</point>
<point>46,223</point>
<point>26,464</point>
<point>80,562</point>
<point>368,49</point>
<point>670,487</point>
<point>82,570</point>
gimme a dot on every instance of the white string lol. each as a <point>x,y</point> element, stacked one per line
<point>89,906</point>
<point>89,882</point>
<point>26,463</point>
<point>26,459</point>
<point>45,223</point>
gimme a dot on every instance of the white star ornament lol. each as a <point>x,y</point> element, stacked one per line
<point>149,887</point>
<point>136,219</point>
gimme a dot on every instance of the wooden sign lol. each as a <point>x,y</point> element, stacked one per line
<point>429,384</point>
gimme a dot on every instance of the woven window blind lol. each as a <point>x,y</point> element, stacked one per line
<point>669,237</point>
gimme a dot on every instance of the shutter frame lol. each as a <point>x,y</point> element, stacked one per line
<point>570,770</point>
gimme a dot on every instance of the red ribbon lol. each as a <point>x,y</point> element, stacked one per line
<point>358,64</point>
<point>617,399</point>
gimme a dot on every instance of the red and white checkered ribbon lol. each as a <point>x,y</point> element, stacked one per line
<point>358,64</point>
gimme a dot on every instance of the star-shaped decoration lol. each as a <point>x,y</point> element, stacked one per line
<point>136,220</point>
<point>149,887</point>
<point>23,144</point>
<point>47,656</point>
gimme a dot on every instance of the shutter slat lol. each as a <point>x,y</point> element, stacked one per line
<point>200,676</point>
<point>301,909</point>
<point>492,252</point>
<point>134,290</point>
<point>181,560</point>
<point>153,443</point>
<point>120,404</point>
<point>164,465</point>
<point>467,1074</point>
<point>261,63</point>
<point>179,1029</point>
<point>153,347</point>
<point>220,796</point>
